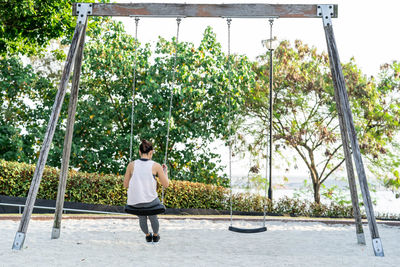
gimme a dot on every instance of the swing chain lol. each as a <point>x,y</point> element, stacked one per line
<point>178,22</point>
<point>271,23</point>
<point>229,21</point>
<point>133,89</point>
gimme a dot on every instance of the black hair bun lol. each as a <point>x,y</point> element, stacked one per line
<point>146,146</point>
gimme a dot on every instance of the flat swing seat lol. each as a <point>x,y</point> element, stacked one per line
<point>154,210</point>
<point>247,231</point>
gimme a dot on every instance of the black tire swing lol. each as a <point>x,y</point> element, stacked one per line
<point>231,227</point>
<point>159,208</point>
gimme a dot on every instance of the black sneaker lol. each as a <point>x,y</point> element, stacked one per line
<point>156,238</point>
<point>149,237</point>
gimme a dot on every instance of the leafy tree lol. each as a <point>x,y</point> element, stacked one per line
<point>386,167</point>
<point>11,144</point>
<point>199,110</point>
<point>19,87</point>
<point>28,26</point>
<point>305,117</point>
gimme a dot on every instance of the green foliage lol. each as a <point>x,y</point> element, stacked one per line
<point>28,26</point>
<point>250,202</point>
<point>199,110</point>
<point>305,118</point>
<point>387,166</point>
<point>183,194</point>
<point>102,129</point>
<point>15,85</point>
<point>18,84</point>
<point>11,144</point>
<point>107,189</point>
<point>290,206</point>
<point>334,194</point>
<point>15,179</point>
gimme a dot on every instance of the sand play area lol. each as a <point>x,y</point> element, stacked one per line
<point>194,242</point>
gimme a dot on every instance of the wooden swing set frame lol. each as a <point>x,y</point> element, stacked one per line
<point>164,10</point>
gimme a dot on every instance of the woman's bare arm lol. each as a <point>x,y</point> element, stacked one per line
<point>162,174</point>
<point>128,174</point>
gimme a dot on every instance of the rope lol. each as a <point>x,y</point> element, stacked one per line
<point>133,91</point>
<point>229,21</point>
<point>178,22</point>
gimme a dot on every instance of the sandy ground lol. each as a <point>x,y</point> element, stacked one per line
<point>118,242</point>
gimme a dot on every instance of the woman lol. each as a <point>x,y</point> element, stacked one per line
<point>140,179</point>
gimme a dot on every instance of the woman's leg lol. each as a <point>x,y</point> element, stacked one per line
<point>143,224</point>
<point>154,223</point>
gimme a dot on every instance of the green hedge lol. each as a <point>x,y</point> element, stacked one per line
<point>15,179</point>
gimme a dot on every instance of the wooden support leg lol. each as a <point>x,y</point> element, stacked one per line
<point>350,171</point>
<point>37,176</point>
<point>340,87</point>
<point>68,138</point>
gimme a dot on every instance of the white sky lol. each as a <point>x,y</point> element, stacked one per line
<point>365,30</point>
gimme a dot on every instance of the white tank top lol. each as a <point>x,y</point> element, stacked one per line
<point>143,185</point>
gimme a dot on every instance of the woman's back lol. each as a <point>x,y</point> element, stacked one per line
<point>142,185</point>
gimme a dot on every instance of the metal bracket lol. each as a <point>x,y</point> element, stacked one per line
<point>83,10</point>
<point>326,12</point>
<point>378,249</point>
<point>361,239</point>
<point>18,241</point>
<point>55,233</point>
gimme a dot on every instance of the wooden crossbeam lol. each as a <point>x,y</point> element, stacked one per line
<point>206,10</point>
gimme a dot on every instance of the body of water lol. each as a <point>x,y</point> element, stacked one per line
<point>385,200</point>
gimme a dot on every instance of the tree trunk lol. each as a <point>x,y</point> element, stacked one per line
<point>317,197</point>
<point>314,177</point>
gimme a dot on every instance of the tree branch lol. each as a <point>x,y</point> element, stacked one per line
<point>329,159</point>
<point>334,169</point>
<point>303,157</point>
